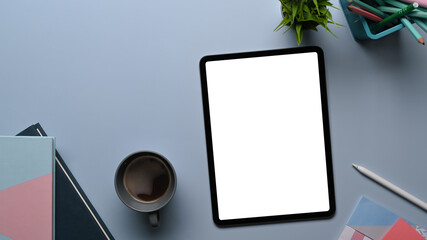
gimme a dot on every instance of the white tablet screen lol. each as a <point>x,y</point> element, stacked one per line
<point>267,136</point>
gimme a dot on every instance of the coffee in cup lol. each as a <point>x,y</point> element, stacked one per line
<point>145,181</point>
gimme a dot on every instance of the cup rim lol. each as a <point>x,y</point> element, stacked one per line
<point>128,199</point>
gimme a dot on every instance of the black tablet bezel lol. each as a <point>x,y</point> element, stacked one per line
<point>209,147</point>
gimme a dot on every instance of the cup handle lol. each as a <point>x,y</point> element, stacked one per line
<point>154,218</point>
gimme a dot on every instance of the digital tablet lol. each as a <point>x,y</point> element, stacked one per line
<point>267,136</point>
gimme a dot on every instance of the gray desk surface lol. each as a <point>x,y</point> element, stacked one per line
<point>111,77</point>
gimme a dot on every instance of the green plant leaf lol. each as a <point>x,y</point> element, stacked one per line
<point>324,3</point>
<point>294,11</point>
<point>286,9</point>
<point>325,22</point>
<point>285,22</point>
<point>329,30</point>
<point>280,26</point>
<point>328,15</point>
<point>327,4</point>
<point>306,14</point>
<point>314,18</point>
<point>298,33</point>
<point>289,28</point>
<point>316,4</point>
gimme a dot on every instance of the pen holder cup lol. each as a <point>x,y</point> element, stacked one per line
<point>360,28</point>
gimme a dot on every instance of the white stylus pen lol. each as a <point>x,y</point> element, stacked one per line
<point>391,187</point>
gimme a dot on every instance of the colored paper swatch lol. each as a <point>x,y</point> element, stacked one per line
<point>350,234</point>
<point>402,230</point>
<point>374,221</point>
<point>371,219</point>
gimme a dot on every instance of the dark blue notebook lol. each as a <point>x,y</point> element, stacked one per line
<point>76,218</point>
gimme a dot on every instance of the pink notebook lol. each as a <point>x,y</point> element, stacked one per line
<point>26,188</point>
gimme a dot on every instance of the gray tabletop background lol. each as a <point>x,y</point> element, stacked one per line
<point>108,78</point>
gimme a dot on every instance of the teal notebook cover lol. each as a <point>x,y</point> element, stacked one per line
<point>75,216</point>
<point>26,187</point>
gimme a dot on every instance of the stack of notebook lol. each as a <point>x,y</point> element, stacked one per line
<point>75,217</point>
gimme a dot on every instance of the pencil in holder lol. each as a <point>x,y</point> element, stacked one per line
<point>361,29</point>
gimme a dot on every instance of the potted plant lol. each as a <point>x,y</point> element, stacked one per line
<point>305,14</point>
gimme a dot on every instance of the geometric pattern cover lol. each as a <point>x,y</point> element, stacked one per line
<point>370,220</point>
<point>26,188</point>
<point>402,230</point>
<point>350,234</point>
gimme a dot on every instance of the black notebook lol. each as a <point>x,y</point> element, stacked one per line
<point>75,217</point>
